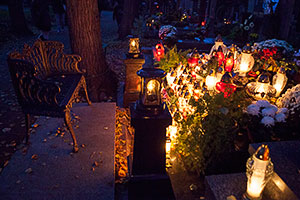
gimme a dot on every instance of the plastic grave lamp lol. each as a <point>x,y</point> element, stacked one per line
<point>245,61</point>
<point>158,52</point>
<point>134,45</point>
<point>220,56</point>
<point>261,89</point>
<point>259,170</point>
<point>197,91</point>
<point>194,59</point>
<point>229,62</point>
<point>279,81</point>
<point>210,81</point>
<point>225,85</point>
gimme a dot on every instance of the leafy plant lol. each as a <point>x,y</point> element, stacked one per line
<point>206,136</point>
<point>172,58</point>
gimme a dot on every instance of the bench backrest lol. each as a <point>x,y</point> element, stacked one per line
<point>44,55</point>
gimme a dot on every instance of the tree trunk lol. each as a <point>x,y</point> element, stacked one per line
<point>17,17</point>
<point>85,37</point>
<point>285,13</point>
<point>130,12</point>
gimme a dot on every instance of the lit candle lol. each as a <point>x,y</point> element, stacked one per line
<point>210,82</point>
<point>257,181</point>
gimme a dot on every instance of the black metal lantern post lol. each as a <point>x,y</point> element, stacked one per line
<point>150,118</point>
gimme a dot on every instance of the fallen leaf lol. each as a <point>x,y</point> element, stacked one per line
<point>34,157</point>
<point>83,145</point>
<point>105,127</point>
<point>13,143</point>
<point>93,169</point>
<point>44,164</point>
<point>96,164</point>
<point>34,125</point>
<point>76,176</point>
<point>5,163</point>
<point>28,171</point>
<point>44,140</point>
<point>92,154</point>
<point>18,181</point>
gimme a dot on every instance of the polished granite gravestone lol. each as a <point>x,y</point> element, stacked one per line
<point>49,169</point>
<point>284,184</point>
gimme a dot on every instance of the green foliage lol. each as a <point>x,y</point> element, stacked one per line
<point>206,136</point>
<point>172,58</point>
<point>212,64</point>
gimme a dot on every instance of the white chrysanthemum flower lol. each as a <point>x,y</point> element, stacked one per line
<point>283,110</point>
<point>268,112</point>
<point>263,103</point>
<point>280,117</point>
<point>275,108</point>
<point>268,121</point>
<point>253,109</point>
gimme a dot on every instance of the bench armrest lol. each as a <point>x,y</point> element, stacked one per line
<point>66,64</point>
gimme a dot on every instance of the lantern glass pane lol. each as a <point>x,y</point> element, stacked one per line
<point>152,93</point>
<point>134,46</point>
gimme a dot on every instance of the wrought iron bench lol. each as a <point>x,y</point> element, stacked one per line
<point>46,82</point>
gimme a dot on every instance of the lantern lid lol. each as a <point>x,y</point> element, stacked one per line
<point>281,70</point>
<point>220,69</point>
<point>195,54</point>
<point>264,78</point>
<point>151,73</point>
<point>226,78</point>
<point>247,48</point>
<point>262,153</point>
<point>230,55</point>
<point>218,38</point>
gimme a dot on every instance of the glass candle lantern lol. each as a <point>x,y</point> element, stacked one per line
<point>245,61</point>
<point>151,86</point>
<point>279,81</point>
<point>211,80</point>
<point>259,170</point>
<point>134,46</point>
<point>261,89</point>
<point>225,85</point>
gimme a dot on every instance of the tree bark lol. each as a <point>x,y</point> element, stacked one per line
<point>130,12</point>
<point>17,17</point>
<point>284,11</point>
<point>85,37</point>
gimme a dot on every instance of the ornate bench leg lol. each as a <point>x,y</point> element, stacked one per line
<point>70,128</point>
<point>27,121</point>
<point>85,91</point>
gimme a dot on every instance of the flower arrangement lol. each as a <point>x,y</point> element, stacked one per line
<point>272,43</point>
<point>167,31</point>
<point>208,120</point>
